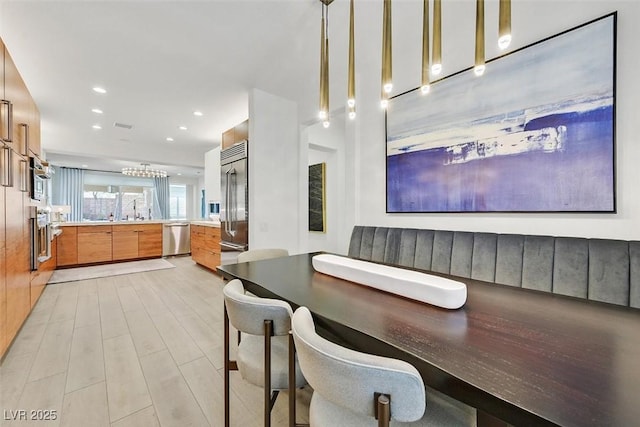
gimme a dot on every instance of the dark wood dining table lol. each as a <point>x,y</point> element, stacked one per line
<point>520,357</point>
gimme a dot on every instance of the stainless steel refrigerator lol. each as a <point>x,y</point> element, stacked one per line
<point>234,207</point>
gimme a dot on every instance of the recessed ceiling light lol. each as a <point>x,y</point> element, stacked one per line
<point>182,127</point>
<point>85,166</point>
<point>197,113</point>
<point>179,174</point>
<point>169,139</point>
<point>96,110</point>
<point>97,127</point>
<point>99,90</point>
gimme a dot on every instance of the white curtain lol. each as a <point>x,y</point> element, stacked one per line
<point>161,186</point>
<point>68,189</point>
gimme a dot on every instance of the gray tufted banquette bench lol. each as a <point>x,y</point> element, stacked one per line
<point>595,269</point>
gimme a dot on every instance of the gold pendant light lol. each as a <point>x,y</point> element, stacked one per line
<point>387,85</point>
<point>436,61</point>
<point>504,24</point>
<point>480,65</point>
<point>425,86</point>
<point>324,64</point>
<point>351,84</point>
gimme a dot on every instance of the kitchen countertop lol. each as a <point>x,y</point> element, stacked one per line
<point>153,221</point>
<point>93,223</point>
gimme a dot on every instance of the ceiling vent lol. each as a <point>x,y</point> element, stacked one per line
<point>122,125</point>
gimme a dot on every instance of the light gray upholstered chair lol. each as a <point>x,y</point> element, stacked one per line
<point>258,254</point>
<point>265,354</point>
<point>352,389</point>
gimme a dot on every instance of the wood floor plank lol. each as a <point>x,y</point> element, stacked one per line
<point>65,306</point>
<point>207,384</point>
<point>126,387</point>
<point>172,398</point>
<point>129,299</point>
<point>111,315</point>
<point>88,310</point>
<point>28,340</point>
<point>143,418</point>
<point>86,362</point>
<point>53,354</point>
<point>182,347</point>
<point>151,301</point>
<point>86,407</point>
<point>44,394</point>
<point>145,336</point>
<point>14,377</point>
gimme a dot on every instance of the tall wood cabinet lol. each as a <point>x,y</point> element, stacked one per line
<point>20,138</point>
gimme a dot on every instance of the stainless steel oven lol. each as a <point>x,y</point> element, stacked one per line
<point>40,237</point>
<point>39,176</point>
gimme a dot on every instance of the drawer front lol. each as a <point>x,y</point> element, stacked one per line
<point>94,229</point>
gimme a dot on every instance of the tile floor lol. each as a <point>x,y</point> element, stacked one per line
<point>142,349</point>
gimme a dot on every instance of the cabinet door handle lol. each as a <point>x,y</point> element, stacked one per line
<point>7,136</point>
<point>6,173</point>
<point>24,177</point>
<point>25,139</point>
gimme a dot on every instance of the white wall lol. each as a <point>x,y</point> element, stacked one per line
<point>532,21</point>
<point>274,172</point>
<point>212,177</point>
<point>325,146</point>
<point>193,195</point>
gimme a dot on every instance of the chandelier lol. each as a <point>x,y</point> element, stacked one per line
<point>145,172</point>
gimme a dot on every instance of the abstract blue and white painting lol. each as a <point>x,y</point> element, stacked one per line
<point>535,133</point>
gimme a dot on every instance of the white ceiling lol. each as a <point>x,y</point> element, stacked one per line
<point>159,62</point>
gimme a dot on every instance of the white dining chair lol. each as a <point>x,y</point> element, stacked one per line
<point>265,355</point>
<point>353,389</point>
<point>258,254</point>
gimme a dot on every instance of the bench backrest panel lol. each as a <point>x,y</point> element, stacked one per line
<point>603,270</point>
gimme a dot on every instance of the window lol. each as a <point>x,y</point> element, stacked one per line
<point>107,194</point>
<point>178,201</point>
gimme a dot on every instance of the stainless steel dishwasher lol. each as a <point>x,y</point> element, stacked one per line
<point>176,238</point>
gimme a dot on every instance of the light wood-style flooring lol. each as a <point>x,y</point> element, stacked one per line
<point>142,349</point>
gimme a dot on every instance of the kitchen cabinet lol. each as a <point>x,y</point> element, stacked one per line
<point>89,244</point>
<point>19,128</point>
<point>124,242</point>
<point>4,342</point>
<point>236,134</point>
<point>137,241</point>
<point>149,240</point>
<point>67,247</point>
<point>205,245</point>
<point>94,244</point>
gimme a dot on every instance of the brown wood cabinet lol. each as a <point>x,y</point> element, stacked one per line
<point>125,242</point>
<point>205,246</point>
<point>67,247</point>
<point>94,244</point>
<point>236,134</point>
<point>4,342</point>
<point>89,244</point>
<point>15,274</point>
<point>149,240</point>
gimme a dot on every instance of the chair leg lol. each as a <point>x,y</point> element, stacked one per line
<point>268,332</point>
<point>292,382</point>
<point>383,409</point>
<point>226,367</point>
